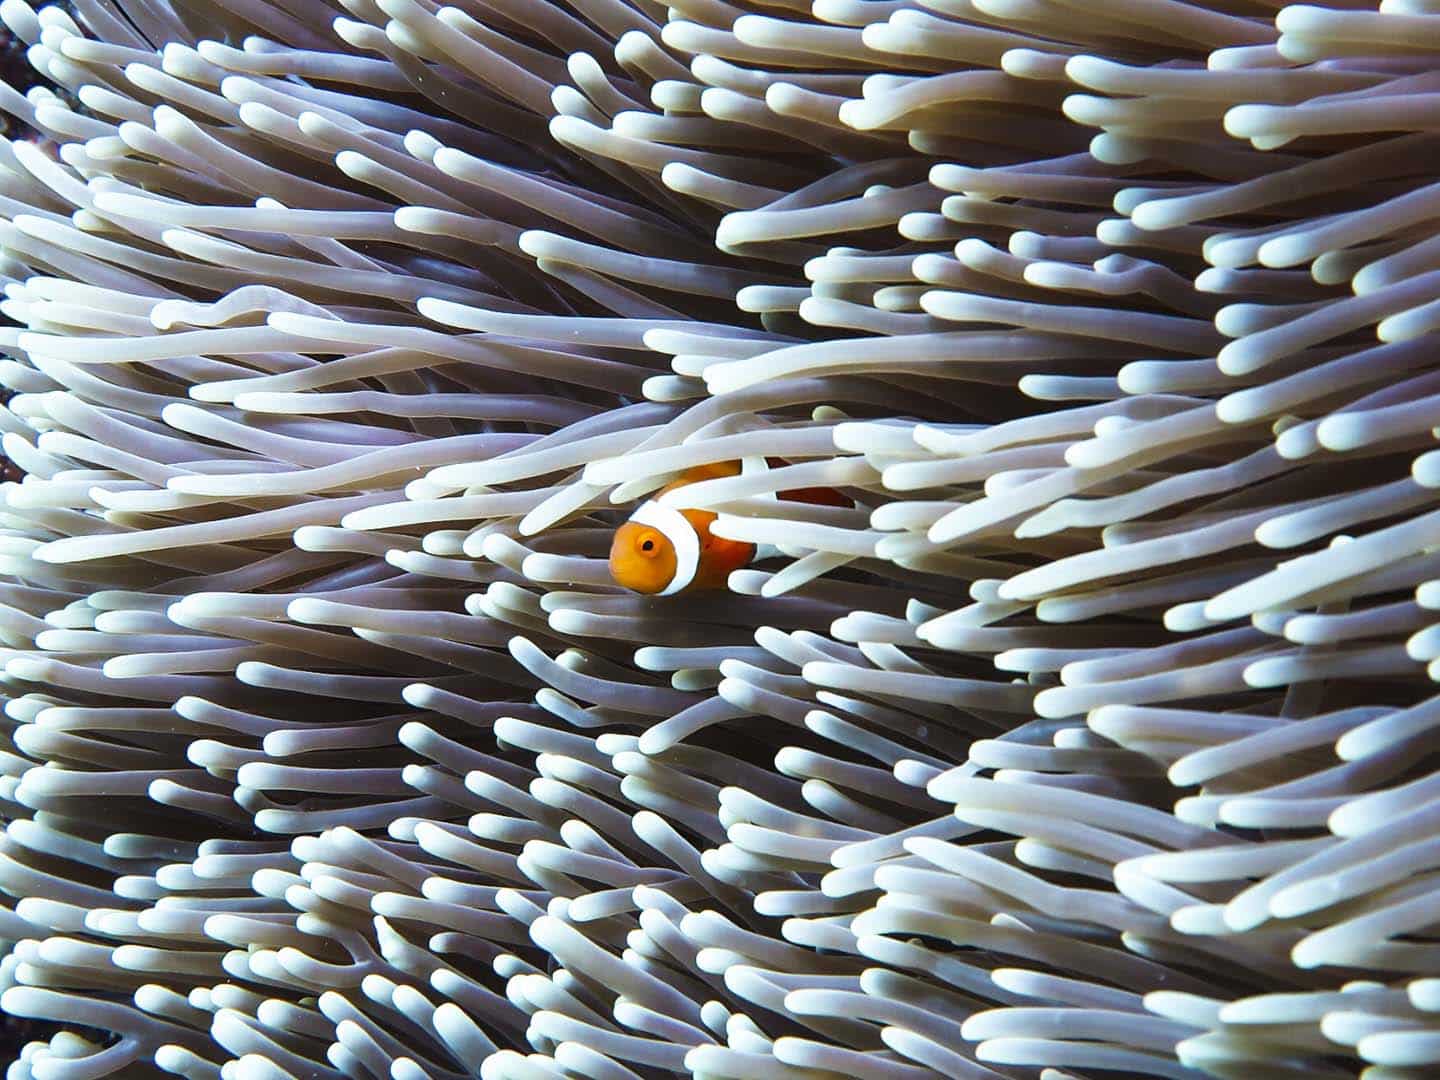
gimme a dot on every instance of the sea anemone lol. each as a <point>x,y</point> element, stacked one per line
<point>1090,732</point>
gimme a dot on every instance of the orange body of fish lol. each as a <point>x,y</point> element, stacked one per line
<point>663,551</point>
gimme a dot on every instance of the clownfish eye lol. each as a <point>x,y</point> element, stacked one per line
<point>649,545</point>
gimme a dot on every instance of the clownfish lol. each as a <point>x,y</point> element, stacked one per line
<point>662,550</point>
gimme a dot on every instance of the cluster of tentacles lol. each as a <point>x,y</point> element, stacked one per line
<point>1095,736</point>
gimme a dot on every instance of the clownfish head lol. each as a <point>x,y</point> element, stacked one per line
<point>656,552</point>
<point>642,559</point>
